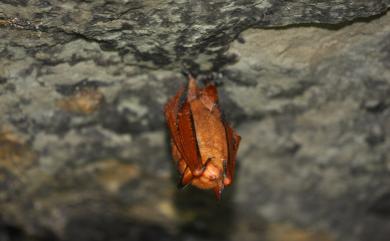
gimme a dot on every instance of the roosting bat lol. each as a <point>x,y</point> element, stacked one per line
<point>204,145</point>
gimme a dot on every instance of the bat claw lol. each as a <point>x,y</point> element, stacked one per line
<point>180,185</point>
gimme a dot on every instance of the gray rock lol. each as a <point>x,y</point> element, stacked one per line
<point>170,34</point>
<point>84,151</point>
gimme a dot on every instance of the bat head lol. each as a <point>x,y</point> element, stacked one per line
<point>212,177</point>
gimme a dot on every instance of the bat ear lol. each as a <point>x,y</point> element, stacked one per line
<point>218,191</point>
<point>185,179</point>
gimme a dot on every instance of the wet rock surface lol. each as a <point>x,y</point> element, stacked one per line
<point>84,152</point>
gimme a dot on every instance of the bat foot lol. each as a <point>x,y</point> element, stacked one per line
<point>188,73</point>
<point>210,78</point>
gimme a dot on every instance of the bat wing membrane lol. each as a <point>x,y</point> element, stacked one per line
<point>182,130</point>
<point>233,141</point>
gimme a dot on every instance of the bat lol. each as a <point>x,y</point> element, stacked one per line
<point>204,145</point>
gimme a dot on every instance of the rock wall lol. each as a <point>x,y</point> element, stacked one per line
<point>84,151</point>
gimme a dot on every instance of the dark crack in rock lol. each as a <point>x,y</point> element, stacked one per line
<point>84,153</point>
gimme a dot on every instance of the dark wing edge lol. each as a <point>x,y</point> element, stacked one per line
<point>171,110</point>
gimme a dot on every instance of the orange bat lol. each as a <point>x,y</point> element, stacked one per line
<point>204,145</point>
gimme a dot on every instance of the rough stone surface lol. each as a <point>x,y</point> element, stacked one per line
<point>84,153</point>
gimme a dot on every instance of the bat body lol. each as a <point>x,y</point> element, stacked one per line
<point>204,146</point>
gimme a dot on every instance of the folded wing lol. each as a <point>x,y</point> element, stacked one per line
<point>188,140</point>
<point>233,141</point>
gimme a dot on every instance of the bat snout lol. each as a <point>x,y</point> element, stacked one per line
<point>212,172</point>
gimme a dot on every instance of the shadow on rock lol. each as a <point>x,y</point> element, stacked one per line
<point>202,216</point>
<point>100,227</point>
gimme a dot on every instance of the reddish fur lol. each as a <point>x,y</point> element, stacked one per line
<point>203,145</point>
